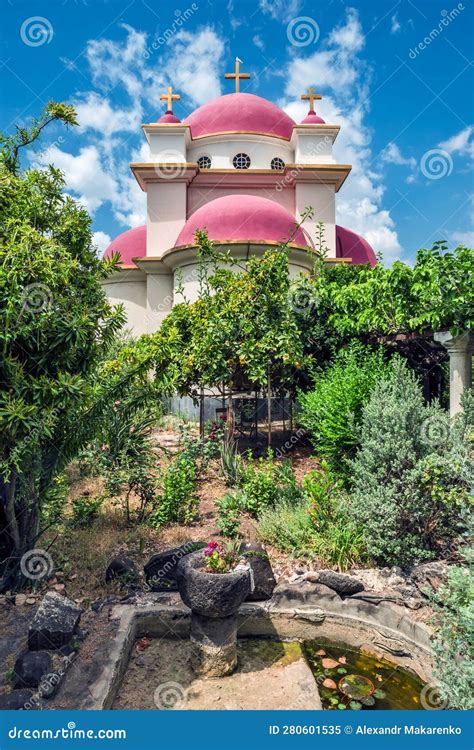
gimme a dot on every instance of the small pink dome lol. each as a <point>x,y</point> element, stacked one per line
<point>242,217</point>
<point>312,119</point>
<point>130,244</point>
<point>168,118</point>
<point>242,112</point>
<point>352,245</point>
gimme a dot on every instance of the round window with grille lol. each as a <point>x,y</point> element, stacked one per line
<point>277,163</point>
<point>204,162</point>
<point>241,161</point>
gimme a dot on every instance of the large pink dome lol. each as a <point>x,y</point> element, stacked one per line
<point>240,112</point>
<point>353,246</point>
<point>130,244</point>
<point>242,217</point>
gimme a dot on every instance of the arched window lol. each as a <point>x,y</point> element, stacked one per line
<point>241,161</point>
<point>277,163</point>
<point>204,162</point>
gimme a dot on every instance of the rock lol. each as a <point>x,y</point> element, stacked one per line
<point>210,594</point>
<point>290,596</point>
<point>330,684</point>
<point>50,684</point>
<point>29,669</point>
<point>31,600</point>
<point>54,623</point>
<point>20,600</point>
<point>15,701</point>
<point>213,645</point>
<point>160,570</point>
<point>429,576</point>
<point>343,584</point>
<point>120,567</point>
<point>264,580</point>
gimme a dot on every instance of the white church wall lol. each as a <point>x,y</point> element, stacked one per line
<point>260,150</point>
<point>312,148</point>
<point>166,214</point>
<point>132,294</point>
<point>159,299</point>
<point>167,146</point>
<point>322,199</point>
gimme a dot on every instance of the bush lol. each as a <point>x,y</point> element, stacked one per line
<point>85,510</point>
<point>263,482</point>
<point>452,644</point>
<point>178,502</point>
<point>229,515</point>
<point>332,410</point>
<point>408,483</point>
<point>315,524</point>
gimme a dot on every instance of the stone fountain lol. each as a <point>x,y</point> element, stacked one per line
<point>214,600</point>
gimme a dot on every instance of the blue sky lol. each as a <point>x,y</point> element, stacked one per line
<point>397,76</point>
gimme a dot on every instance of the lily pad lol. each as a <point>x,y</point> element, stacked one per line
<point>356,686</point>
<point>342,670</point>
<point>380,693</point>
<point>369,700</point>
<point>355,705</point>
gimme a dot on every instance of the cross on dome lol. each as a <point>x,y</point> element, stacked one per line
<point>237,75</point>
<point>311,96</point>
<point>170,98</point>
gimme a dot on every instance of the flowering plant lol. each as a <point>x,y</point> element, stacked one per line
<point>220,559</point>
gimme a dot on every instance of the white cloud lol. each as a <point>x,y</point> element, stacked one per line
<point>464,238</point>
<point>85,174</point>
<point>349,35</point>
<point>96,113</point>
<point>391,154</point>
<point>461,143</point>
<point>101,240</point>
<point>281,10</point>
<point>395,24</point>
<point>258,42</point>
<point>343,77</point>
<point>195,62</point>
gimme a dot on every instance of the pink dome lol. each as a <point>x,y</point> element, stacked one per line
<point>242,217</point>
<point>168,118</point>
<point>352,245</point>
<point>130,244</point>
<point>241,112</point>
<point>312,119</point>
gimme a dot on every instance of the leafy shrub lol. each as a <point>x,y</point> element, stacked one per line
<point>85,510</point>
<point>178,501</point>
<point>332,410</point>
<point>315,524</point>
<point>453,644</point>
<point>229,515</point>
<point>288,527</point>
<point>408,484</point>
<point>263,482</point>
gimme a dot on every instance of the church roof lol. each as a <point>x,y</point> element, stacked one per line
<point>240,113</point>
<point>132,243</point>
<point>245,218</point>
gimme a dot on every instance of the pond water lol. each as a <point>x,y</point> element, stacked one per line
<point>349,679</point>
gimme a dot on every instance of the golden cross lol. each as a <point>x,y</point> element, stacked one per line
<point>237,75</point>
<point>311,97</point>
<point>170,98</point>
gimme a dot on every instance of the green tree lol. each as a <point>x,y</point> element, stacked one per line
<point>55,326</point>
